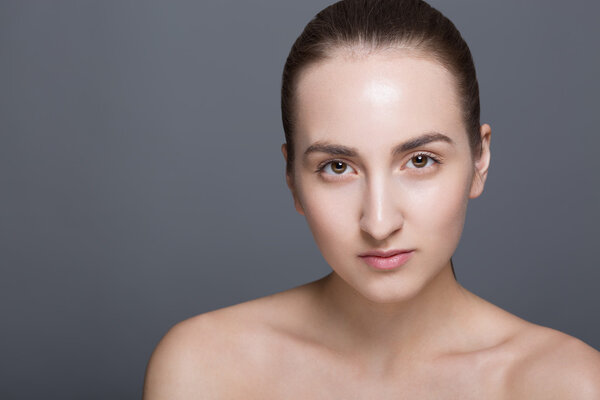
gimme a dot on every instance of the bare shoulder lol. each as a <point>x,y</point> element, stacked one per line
<point>184,362</point>
<point>219,354</point>
<point>554,365</point>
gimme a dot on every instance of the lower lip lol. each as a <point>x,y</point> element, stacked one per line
<point>387,263</point>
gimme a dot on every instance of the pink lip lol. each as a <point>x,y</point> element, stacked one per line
<point>386,260</point>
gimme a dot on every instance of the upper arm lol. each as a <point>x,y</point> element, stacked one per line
<point>567,368</point>
<point>180,366</point>
<point>584,364</point>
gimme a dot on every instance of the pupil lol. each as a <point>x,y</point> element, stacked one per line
<point>338,166</point>
<point>420,160</point>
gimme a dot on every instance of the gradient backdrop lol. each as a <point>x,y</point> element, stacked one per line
<point>142,181</point>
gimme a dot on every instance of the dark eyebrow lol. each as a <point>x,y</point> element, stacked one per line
<point>420,141</point>
<point>339,150</point>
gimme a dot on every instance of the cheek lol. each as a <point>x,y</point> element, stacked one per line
<point>331,214</point>
<point>437,211</point>
<point>433,213</point>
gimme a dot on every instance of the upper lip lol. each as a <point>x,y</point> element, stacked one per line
<point>382,253</point>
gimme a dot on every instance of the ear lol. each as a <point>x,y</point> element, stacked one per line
<point>482,164</point>
<point>290,182</point>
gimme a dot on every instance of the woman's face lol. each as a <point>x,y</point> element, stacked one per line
<point>376,187</point>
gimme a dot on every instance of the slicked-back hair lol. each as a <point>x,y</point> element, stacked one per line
<point>371,25</point>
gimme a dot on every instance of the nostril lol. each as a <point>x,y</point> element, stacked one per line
<point>381,229</point>
<point>381,224</point>
<point>381,215</point>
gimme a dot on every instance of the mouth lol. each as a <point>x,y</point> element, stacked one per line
<point>382,253</point>
<point>386,260</point>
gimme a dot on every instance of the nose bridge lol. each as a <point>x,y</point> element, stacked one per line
<point>381,215</point>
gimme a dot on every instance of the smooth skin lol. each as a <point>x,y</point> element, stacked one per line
<point>361,333</point>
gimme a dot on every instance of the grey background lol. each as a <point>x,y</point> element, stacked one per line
<point>142,181</point>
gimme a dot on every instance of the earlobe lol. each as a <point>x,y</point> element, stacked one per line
<point>292,188</point>
<point>298,206</point>
<point>290,183</point>
<point>482,164</point>
<point>284,151</point>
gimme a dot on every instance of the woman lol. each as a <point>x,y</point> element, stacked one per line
<point>384,148</point>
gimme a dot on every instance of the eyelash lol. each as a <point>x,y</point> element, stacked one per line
<point>435,159</point>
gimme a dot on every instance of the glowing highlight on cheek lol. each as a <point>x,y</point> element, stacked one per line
<point>380,92</point>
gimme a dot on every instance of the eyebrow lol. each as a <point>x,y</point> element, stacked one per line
<point>339,150</point>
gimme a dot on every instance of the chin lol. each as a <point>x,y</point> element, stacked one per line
<point>385,288</point>
<point>391,287</point>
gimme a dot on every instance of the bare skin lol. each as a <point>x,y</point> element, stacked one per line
<point>286,346</point>
<point>361,333</point>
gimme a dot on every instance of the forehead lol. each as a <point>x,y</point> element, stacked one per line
<point>376,99</point>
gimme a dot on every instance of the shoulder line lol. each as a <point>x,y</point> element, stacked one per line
<point>557,364</point>
<point>184,361</point>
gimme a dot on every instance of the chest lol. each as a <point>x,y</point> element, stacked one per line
<point>315,378</point>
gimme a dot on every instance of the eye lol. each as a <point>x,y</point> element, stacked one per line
<point>336,167</point>
<point>422,160</point>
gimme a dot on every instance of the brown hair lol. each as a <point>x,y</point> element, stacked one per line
<point>379,24</point>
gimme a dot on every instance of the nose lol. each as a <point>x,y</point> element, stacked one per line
<point>381,215</point>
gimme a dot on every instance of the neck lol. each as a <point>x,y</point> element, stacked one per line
<point>431,322</point>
